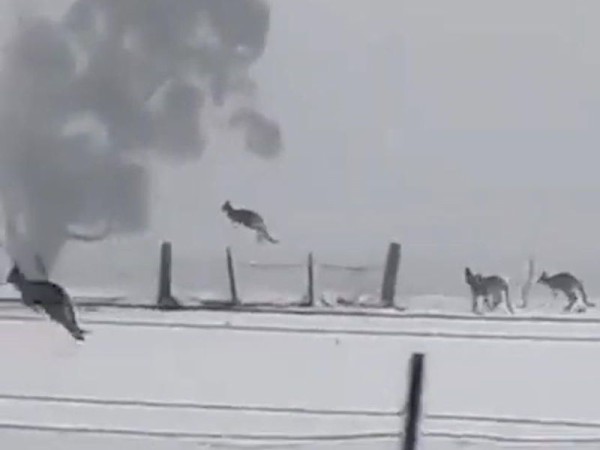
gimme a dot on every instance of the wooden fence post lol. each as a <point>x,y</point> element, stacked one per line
<point>311,280</point>
<point>390,275</point>
<point>231,274</point>
<point>413,406</point>
<point>526,289</point>
<point>165,298</point>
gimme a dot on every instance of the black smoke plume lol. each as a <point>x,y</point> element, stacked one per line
<point>87,98</point>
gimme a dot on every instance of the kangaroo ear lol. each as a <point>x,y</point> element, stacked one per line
<point>468,274</point>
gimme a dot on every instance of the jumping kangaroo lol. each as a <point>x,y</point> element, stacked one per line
<point>249,219</point>
<point>568,284</point>
<point>50,297</point>
<point>486,287</point>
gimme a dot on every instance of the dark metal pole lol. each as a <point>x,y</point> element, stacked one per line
<point>413,407</point>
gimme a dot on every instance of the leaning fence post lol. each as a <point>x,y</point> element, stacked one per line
<point>390,275</point>
<point>311,280</point>
<point>231,274</point>
<point>165,298</point>
<point>413,406</point>
<point>526,289</point>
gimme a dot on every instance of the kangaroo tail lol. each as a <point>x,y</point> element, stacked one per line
<point>584,297</point>
<point>263,234</point>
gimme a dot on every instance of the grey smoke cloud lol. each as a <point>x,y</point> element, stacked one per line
<point>88,97</point>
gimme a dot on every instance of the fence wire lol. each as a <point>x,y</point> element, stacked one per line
<point>262,437</point>
<point>143,404</point>
<point>272,284</point>
<point>312,330</point>
<point>344,285</point>
<point>301,439</point>
<point>286,440</point>
<point>465,436</point>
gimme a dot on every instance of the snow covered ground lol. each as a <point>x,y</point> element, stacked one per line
<point>209,379</point>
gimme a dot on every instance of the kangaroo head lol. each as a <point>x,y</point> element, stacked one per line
<point>226,206</point>
<point>470,278</point>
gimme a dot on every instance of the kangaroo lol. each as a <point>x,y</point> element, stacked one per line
<point>249,219</point>
<point>50,297</point>
<point>486,287</point>
<point>568,284</point>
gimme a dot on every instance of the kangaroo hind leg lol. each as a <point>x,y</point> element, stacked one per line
<point>572,300</point>
<point>263,235</point>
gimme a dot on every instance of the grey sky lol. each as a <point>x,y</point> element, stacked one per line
<point>466,129</point>
<point>501,102</point>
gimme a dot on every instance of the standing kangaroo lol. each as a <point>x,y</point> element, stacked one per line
<point>486,287</point>
<point>249,219</point>
<point>569,285</point>
<point>50,297</point>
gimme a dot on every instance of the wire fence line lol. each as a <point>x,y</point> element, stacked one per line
<point>500,439</point>
<point>591,339</point>
<point>298,438</point>
<point>302,265</point>
<point>277,437</point>
<point>261,409</point>
<point>268,409</point>
<point>170,406</point>
<point>198,406</point>
<point>397,313</point>
<point>363,268</point>
<point>513,420</point>
<point>517,421</point>
<point>270,309</point>
<point>269,266</point>
<point>302,438</point>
